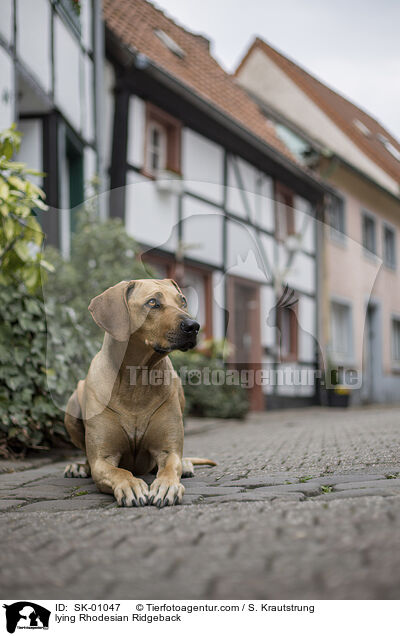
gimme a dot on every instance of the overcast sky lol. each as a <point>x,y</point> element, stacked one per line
<point>351,45</point>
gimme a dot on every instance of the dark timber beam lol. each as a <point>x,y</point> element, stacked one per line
<point>119,150</point>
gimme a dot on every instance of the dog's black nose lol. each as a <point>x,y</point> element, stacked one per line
<point>189,326</point>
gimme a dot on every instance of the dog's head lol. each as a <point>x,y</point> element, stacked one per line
<point>154,310</point>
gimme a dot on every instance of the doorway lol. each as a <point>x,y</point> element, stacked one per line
<point>244,332</point>
<point>371,355</point>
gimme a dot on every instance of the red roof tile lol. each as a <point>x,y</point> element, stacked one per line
<point>135,23</point>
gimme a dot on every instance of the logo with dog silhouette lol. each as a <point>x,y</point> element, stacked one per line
<point>26,615</point>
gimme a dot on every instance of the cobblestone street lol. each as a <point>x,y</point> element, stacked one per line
<point>303,504</point>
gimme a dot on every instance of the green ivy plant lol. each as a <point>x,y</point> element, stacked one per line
<point>43,351</point>
<point>21,236</point>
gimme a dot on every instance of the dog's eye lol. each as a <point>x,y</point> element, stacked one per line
<point>184,302</point>
<point>153,302</point>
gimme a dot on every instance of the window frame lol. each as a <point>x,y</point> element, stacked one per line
<point>338,356</point>
<point>395,319</point>
<point>387,227</point>
<point>337,234</point>
<point>172,127</point>
<point>368,216</point>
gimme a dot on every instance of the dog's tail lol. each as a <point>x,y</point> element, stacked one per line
<point>201,461</point>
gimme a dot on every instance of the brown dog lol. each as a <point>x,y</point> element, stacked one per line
<point>125,419</point>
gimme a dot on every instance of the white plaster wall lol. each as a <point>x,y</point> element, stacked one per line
<point>301,274</point>
<point>136,131</point>
<point>89,165</point>
<point>264,205</point>
<point>305,224</point>
<point>267,302</point>
<point>31,150</point>
<point>243,184</point>
<point>34,39</point>
<point>268,243</point>
<point>202,229</point>
<point>86,24</point>
<point>265,79</point>
<point>6,14</point>
<point>68,85</point>
<point>202,165</point>
<point>88,128</point>
<point>306,319</point>
<point>151,216</point>
<point>218,314</point>
<point>6,90</point>
<point>243,256</point>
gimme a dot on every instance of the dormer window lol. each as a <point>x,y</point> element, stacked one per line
<point>170,43</point>
<point>162,142</point>
<point>362,127</point>
<point>389,146</point>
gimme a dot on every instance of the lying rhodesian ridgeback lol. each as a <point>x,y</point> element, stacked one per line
<point>127,424</point>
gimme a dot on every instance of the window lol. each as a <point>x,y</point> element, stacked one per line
<point>170,43</point>
<point>362,127</point>
<point>336,217</point>
<point>341,330</point>
<point>389,247</point>
<point>395,152</point>
<point>156,147</point>
<point>162,142</point>
<point>396,340</point>
<point>369,233</point>
<point>285,222</point>
<point>288,327</point>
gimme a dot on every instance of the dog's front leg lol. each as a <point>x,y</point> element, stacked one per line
<point>127,489</point>
<point>105,444</point>
<point>166,489</point>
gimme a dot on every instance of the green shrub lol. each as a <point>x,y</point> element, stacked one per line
<point>102,254</point>
<point>21,236</point>
<point>205,399</point>
<point>40,366</point>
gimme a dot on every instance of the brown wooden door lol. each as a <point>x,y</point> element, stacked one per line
<point>244,332</point>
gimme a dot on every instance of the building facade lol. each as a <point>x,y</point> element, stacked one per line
<point>213,196</point>
<point>192,165</point>
<point>51,60</point>
<point>360,273</point>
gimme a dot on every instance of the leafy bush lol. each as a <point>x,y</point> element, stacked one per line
<point>102,254</point>
<point>205,399</point>
<point>39,369</point>
<point>21,236</point>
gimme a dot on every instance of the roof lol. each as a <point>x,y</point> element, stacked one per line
<point>135,23</point>
<point>340,110</point>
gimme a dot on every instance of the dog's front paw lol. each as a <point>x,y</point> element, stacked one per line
<point>132,492</point>
<point>164,493</point>
<point>77,470</point>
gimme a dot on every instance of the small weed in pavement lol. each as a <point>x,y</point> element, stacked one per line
<point>303,480</point>
<point>326,489</point>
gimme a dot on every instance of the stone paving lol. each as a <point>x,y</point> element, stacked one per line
<point>303,504</point>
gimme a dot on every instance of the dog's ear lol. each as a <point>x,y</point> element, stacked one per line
<point>110,310</point>
<point>175,284</point>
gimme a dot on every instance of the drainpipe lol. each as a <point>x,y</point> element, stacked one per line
<point>99,58</point>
